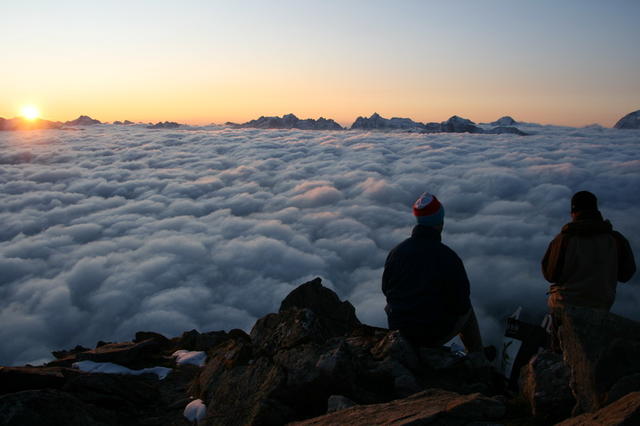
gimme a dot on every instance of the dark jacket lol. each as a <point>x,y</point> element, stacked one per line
<point>425,284</point>
<point>585,261</point>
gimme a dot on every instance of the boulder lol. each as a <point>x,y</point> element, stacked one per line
<point>625,411</point>
<point>544,383</point>
<point>339,317</point>
<point>601,349</point>
<point>133,355</point>
<point>629,121</point>
<point>16,379</point>
<point>431,406</point>
<point>51,408</point>
<point>338,402</point>
<point>195,341</point>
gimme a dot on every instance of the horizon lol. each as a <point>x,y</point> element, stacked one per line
<point>346,125</point>
<point>570,64</point>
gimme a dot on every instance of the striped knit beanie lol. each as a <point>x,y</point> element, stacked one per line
<point>428,210</point>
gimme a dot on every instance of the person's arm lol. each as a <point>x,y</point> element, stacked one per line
<point>626,262</point>
<point>461,288</point>
<point>553,260</point>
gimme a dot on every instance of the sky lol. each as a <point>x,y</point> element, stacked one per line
<point>573,62</point>
<point>110,230</point>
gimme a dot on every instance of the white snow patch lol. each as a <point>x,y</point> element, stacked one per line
<point>111,368</point>
<point>190,357</point>
<point>195,410</point>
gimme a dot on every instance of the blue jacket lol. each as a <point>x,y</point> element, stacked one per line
<point>425,284</point>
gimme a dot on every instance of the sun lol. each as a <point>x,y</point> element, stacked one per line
<point>30,112</point>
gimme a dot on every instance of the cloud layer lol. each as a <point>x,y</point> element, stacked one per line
<point>111,230</point>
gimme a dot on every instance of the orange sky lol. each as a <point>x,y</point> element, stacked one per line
<point>205,62</point>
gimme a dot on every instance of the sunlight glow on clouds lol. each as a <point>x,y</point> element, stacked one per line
<point>111,230</point>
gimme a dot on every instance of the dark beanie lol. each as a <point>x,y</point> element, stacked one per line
<point>583,201</point>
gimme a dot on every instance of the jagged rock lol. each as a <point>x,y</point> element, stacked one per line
<point>544,383</point>
<point>433,406</point>
<point>129,354</point>
<point>629,121</point>
<point>290,121</point>
<point>340,317</point>
<point>123,123</point>
<point>195,341</point>
<point>338,402</point>
<point>623,386</point>
<point>457,124</point>
<point>146,335</point>
<point>506,129</point>
<point>504,121</point>
<point>51,408</point>
<point>16,379</point>
<point>600,348</point>
<point>164,125</point>
<point>66,353</point>
<point>376,122</point>
<point>83,120</point>
<point>625,411</point>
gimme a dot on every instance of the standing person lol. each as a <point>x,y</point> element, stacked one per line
<point>426,285</point>
<point>586,259</point>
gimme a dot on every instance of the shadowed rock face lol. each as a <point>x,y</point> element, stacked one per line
<point>376,122</point>
<point>629,121</point>
<point>504,121</point>
<point>164,125</point>
<point>625,411</point>
<point>432,406</point>
<point>601,349</point>
<point>83,120</point>
<point>290,121</point>
<point>544,383</point>
<point>314,357</point>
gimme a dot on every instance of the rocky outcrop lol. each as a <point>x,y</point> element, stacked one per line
<point>506,129</point>
<point>314,348</point>
<point>601,349</point>
<point>164,125</point>
<point>432,406</point>
<point>83,120</point>
<point>629,121</point>
<point>376,122</point>
<point>457,124</point>
<point>290,121</point>
<point>625,411</point>
<point>313,362</point>
<point>123,123</point>
<point>545,385</point>
<point>504,121</point>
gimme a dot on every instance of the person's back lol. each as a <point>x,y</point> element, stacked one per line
<point>587,259</point>
<point>426,285</point>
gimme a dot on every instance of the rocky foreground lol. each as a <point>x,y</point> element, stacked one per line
<point>314,363</point>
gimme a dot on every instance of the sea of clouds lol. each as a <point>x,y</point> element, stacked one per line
<point>109,230</point>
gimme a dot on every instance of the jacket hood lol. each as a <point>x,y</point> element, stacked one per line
<point>590,224</point>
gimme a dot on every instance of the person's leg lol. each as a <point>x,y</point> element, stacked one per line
<point>470,333</point>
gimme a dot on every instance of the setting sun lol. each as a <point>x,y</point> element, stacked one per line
<point>30,112</point>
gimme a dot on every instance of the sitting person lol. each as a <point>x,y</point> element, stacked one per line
<point>426,285</point>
